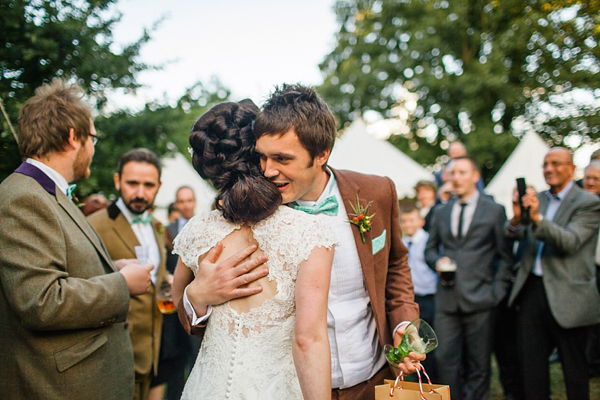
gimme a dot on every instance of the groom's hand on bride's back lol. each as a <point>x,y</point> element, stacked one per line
<point>215,283</point>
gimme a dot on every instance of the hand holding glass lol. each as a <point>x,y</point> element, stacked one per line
<point>142,253</point>
<point>164,299</point>
<point>418,337</point>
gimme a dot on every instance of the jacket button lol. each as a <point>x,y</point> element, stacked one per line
<point>126,325</point>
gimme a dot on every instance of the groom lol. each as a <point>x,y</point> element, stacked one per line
<point>371,294</point>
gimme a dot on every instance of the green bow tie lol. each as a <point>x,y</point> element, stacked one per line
<point>70,191</point>
<point>142,220</point>
<point>329,206</point>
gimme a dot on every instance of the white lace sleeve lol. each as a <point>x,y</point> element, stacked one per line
<point>290,236</point>
<point>199,235</point>
<point>316,233</point>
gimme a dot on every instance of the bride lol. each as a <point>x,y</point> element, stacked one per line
<point>273,344</point>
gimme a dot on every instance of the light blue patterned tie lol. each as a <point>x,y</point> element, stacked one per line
<point>70,191</point>
<point>142,220</point>
<point>329,206</point>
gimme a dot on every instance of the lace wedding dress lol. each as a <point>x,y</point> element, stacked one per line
<point>249,355</point>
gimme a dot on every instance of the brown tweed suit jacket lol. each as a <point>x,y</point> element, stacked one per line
<point>383,257</point>
<point>62,303</point>
<point>144,318</point>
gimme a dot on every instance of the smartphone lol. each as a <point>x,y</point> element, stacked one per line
<point>522,188</point>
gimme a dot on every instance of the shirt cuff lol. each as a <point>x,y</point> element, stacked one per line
<point>400,325</point>
<point>189,310</point>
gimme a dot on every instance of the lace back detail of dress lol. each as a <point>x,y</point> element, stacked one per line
<point>244,352</point>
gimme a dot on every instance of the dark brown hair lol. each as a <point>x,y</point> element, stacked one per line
<point>139,155</point>
<point>299,108</point>
<point>408,208</point>
<point>426,184</point>
<point>471,160</point>
<point>46,119</point>
<point>223,145</point>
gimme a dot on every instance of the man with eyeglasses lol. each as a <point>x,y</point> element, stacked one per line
<point>555,291</point>
<point>63,302</point>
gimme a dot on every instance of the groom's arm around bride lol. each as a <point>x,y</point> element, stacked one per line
<point>371,293</point>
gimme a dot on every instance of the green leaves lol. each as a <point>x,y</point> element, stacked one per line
<point>73,39</point>
<point>476,67</point>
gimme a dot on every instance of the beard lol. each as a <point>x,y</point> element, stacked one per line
<point>81,166</point>
<point>137,205</point>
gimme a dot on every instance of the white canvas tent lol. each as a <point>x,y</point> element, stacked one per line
<point>358,151</point>
<point>525,162</point>
<point>177,171</point>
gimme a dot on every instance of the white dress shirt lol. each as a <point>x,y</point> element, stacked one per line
<point>355,351</point>
<point>356,354</point>
<point>471,205</point>
<point>424,278</point>
<point>145,235</point>
<point>58,179</point>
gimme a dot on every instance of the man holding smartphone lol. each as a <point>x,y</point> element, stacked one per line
<point>555,291</point>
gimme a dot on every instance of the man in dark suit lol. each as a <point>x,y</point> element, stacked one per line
<point>63,303</point>
<point>469,232</point>
<point>371,294</point>
<point>555,290</point>
<point>124,225</point>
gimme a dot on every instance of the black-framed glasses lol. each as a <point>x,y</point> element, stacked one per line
<point>94,139</point>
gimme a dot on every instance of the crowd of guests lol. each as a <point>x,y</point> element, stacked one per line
<point>526,291</point>
<point>79,305</point>
<point>79,308</point>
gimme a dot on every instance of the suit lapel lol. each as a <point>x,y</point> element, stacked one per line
<point>123,230</point>
<point>543,198</point>
<point>348,191</point>
<point>476,215</point>
<point>448,217</point>
<point>565,205</point>
<point>78,217</point>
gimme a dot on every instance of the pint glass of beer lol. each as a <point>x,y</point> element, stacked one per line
<point>447,269</point>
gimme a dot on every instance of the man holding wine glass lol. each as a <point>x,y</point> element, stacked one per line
<point>129,231</point>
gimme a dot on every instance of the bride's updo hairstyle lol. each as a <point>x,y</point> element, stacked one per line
<point>223,152</point>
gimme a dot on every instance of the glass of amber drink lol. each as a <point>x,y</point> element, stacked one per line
<point>163,298</point>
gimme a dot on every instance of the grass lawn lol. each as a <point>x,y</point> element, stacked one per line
<point>556,379</point>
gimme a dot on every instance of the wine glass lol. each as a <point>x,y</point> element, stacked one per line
<point>418,337</point>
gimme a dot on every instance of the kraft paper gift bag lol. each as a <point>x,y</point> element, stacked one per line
<point>410,391</point>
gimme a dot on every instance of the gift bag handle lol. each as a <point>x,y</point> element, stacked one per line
<point>400,378</point>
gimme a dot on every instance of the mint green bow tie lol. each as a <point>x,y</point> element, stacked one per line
<point>142,220</point>
<point>329,206</point>
<point>70,191</point>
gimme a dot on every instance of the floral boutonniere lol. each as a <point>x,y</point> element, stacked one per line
<point>77,202</point>
<point>361,218</point>
<point>160,228</point>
